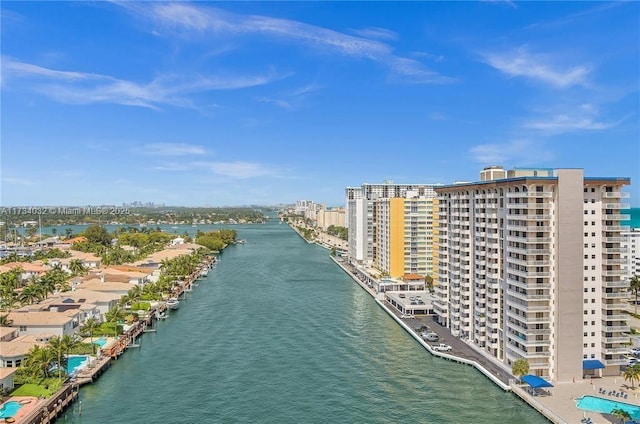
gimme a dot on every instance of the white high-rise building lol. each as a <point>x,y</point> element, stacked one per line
<point>530,266</point>
<point>360,210</point>
<point>632,245</point>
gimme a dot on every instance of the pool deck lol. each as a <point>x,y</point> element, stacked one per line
<point>27,408</point>
<point>562,398</point>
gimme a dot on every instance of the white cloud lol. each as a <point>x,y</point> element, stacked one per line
<point>566,123</point>
<point>86,88</point>
<point>437,116</point>
<point>566,119</point>
<point>521,63</point>
<point>187,19</point>
<point>17,181</point>
<point>239,169</point>
<point>375,32</point>
<point>171,149</point>
<point>522,152</point>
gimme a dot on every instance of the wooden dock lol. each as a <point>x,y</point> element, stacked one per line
<point>54,406</point>
<point>92,371</point>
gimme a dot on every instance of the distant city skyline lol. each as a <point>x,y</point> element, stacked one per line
<point>241,103</point>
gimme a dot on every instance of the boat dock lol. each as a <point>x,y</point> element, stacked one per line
<point>52,407</point>
<point>92,371</point>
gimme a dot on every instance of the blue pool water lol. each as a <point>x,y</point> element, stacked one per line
<point>100,342</point>
<point>9,409</point>
<point>74,362</point>
<point>597,404</point>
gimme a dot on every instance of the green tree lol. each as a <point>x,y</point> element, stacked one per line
<point>5,321</point>
<point>77,267</point>
<point>39,361</point>
<point>98,234</point>
<point>88,329</point>
<point>632,373</point>
<point>520,367</point>
<point>58,347</point>
<point>620,413</point>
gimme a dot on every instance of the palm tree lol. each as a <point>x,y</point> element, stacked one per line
<point>59,347</point>
<point>39,360</point>
<point>620,413</point>
<point>77,267</point>
<point>520,367</point>
<point>89,327</point>
<point>5,321</point>
<point>632,373</point>
<point>635,288</point>
<point>31,294</point>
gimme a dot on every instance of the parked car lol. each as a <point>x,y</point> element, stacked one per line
<point>401,295</point>
<point>430,337</point>
<point>407,316</point>
<point>442,347</point>
<point>635,351</point>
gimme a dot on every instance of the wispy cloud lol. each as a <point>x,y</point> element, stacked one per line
<point>17,181</point>
<point>521,152</point>
<point>585,117</point>
<point>171,149</point>
<point>239,169</point>
<point>509,3</point>
<point>86,88</point>
<point>375,32</point>
<point>190,19</point>
<point>437,116</point>
<point>521,63</point>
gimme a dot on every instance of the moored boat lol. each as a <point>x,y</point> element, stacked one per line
<point>173,303</point>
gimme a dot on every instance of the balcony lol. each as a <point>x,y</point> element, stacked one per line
<point>616,206</point>
<point>614,228</point>
<point>616,329</point>
<point>615,284</point>
<point>616,272</point>
<point>615,317</point>
<point>616,217</point>
<point>607,261</point>
<point>529,194</point>
<point>621,339</point>
<point>615,195</point>
<point>614,306</point>
<point>528,274</point>
<point>618,361</point>
<point>529,286</point>
<point>616,350</point>
<point>617,295</point>
<point>529,239</point>
<point>522,217</point>
<point>613,250</point>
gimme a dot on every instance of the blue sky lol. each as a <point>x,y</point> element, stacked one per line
<point>231,103</point>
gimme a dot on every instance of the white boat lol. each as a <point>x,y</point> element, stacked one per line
<point>173,303</point>
<point>204,272</point>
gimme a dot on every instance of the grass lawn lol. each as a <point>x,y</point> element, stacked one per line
<point>34,390</point>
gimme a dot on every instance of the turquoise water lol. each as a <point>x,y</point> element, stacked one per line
<point>634,222</point>
<point>100,342</point>
<point>9,409</point>
<point>277,333</point>
<point>597,404</point>
<point>74,362</point>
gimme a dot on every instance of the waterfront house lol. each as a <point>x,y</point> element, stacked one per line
<point>6,379</point>
<point>8,334</point>
<point>102,300</point>
<point>33,323</point>
<point>14,352</point>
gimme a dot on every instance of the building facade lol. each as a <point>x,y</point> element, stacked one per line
<point>390,227</point>
<point>530,266</point>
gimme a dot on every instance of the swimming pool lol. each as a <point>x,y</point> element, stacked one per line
<point>9,409</point>
<point>76,362</point>
<point>597,404</point>
<point>100,342</point>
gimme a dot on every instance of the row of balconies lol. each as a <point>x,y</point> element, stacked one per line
<point>529,194</point>
<point>529,217</point>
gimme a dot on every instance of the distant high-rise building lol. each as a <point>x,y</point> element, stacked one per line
<point>530,266</point>
<point>390,227</point>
